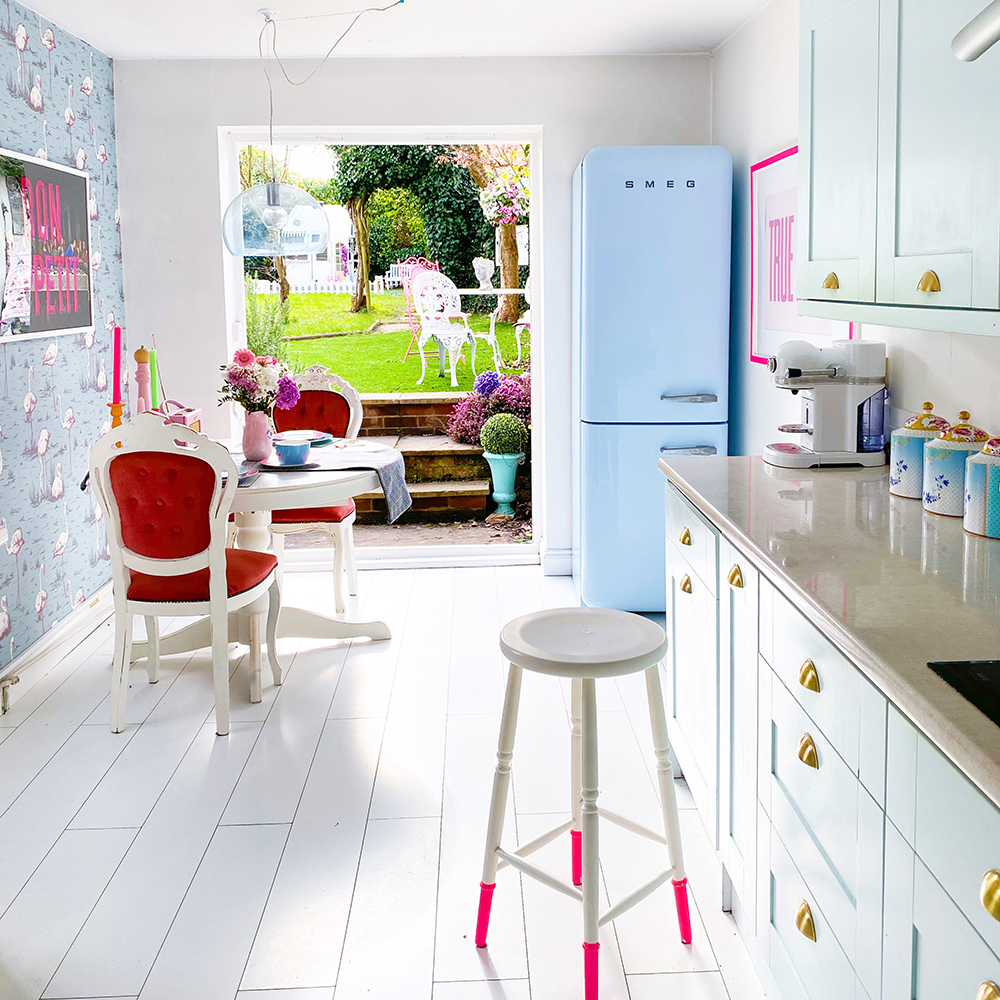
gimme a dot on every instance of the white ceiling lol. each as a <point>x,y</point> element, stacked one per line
<point>228,29</point>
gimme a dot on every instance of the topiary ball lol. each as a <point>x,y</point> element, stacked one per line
<point>504,434</point>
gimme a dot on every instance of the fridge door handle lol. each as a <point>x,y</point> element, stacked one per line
<point>702,449</point>
<point>700,397</point>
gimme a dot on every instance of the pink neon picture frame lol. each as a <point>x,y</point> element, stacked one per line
<point>784,154</point>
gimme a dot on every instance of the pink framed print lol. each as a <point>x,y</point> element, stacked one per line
<point>774,316</point>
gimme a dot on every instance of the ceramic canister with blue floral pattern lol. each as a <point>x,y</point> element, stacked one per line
<point>982,491</point>
<point>906,461</point>
<point>944,466</point>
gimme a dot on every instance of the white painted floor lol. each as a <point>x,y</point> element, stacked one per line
<point>333,842</point>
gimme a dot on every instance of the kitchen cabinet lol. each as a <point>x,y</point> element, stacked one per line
<point>838,149</point>
<point>739,585</point>
<point>900,167</point>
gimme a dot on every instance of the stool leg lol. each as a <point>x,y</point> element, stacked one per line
<point>668,799</point>
<point>590,852</point>
<point>575,763</point>
<point>498,804</point>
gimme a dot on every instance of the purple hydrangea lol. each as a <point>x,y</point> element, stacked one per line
<point>486,383</point>
<point>288,393</point>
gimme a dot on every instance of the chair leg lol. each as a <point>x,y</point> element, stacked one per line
<point>153,654</point>
<point>441,357</point>
<point>575,779</point>
<point>472,341</point>
<point>453,352</point>
<point>255,623</point>
<point>498,804</point>
<point>423,362</point>
<point>278,548</point>
<point>273,609</point>
<point>220,669</point>
<point>668,799</point>
<point>338,568</point>
<point>590,851</point>
<point>119,669</point>
<point>350,559</point>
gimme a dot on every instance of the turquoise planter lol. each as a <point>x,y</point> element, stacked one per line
<point>503,468</point>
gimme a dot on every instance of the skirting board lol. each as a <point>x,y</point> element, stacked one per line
<point>557,562</point>
<point>416,557</point>
<point>43,655</point>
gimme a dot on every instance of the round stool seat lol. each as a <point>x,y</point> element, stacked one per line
<point>583,642</point>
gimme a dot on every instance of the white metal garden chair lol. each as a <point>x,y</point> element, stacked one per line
<point>166,491</point>
<point>439,308</point>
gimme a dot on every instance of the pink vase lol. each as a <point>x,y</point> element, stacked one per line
<point>257,436</point>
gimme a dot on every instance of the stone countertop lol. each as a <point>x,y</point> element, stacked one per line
<point>893,587</point>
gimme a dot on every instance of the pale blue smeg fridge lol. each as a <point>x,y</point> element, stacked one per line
<point>651,269</point>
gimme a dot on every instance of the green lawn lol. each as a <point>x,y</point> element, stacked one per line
<point>373,362</point>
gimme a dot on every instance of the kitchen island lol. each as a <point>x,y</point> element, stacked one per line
<point>851,792</point>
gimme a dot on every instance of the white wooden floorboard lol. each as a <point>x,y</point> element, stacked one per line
<point>206,950</point>
<point>507,989</point>
<point>554,926</point>
<point>469,762</point>
<point>121,937</point>
<point>38,817</point>
<point>272,781</point>
<point>410,770</point>
<point>41,923</point>
<point>365,686</point>
<point>317,994</point>
<point>433,590</point>
<point>302,930</point>
<point>393,914</point>
<point>477,676</point>
<point>693,986</point>
<point>4,733</point>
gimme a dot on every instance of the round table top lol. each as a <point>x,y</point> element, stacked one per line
<point>309,488</point>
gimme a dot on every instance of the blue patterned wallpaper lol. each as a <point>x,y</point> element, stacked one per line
<point>56,102</point>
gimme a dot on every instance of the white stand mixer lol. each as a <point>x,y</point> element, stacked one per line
<point>842,388</point>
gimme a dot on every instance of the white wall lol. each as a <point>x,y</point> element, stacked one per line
<point>755,113</point>
<point>169,114</point>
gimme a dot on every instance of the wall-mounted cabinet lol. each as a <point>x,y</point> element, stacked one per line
<point>900,167</point>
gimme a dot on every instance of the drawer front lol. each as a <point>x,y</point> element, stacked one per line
<point>803,967</point>
<point>821,679</point>
<point>693,536</point>
<point>957,835</point>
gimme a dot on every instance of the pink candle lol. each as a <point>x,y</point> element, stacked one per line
<point>116,391</point>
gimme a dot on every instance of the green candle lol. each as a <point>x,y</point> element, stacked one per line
<point>154,381</point>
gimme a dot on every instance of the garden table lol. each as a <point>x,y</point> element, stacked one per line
<point>252,508</point>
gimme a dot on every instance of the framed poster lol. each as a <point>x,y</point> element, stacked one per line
<point>45,285</point>
<point>774,315</point>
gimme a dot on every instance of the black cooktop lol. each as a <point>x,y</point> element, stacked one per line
<point>977,681</point>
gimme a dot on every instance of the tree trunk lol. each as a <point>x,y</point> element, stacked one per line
<point>357,208</point>
<point>282,272</point>
<point>509,310</point>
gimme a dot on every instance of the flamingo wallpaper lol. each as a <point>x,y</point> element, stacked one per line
<point>56,102</point>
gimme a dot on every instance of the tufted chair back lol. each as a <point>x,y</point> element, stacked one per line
<point>166,491</point>
<point>327,402</point>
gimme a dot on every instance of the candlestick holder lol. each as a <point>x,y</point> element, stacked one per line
<point>144,399</point>
<point>116,413</point>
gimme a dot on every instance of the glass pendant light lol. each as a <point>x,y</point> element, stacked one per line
<point>275,220</point>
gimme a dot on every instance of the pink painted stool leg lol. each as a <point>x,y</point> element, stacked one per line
<point>590,970</point>
<point>577,856</point>
<point>683,909</point>
<point>483,921</point>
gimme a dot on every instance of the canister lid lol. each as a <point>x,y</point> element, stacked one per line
<point>992,447</point>
<point>964,432</point>
<point>927,421</point>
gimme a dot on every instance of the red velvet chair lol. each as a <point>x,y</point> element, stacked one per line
<point>166,491</point>
<point>326,403</point>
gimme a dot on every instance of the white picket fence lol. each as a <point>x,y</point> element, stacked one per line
<point>347,286</point>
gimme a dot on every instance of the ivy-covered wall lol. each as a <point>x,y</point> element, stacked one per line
<point>56,102</point>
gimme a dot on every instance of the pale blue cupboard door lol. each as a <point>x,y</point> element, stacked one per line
<point>838,148</point>
<point>939,155</point>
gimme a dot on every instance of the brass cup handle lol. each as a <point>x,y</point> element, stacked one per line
<point>808,677</point>
<point>807,751</point>
<point>831,281</point>
<point>929,282</point>
<point>735,577</point>
<point>988,990</point>
<point>804,922</point>
<point>685,537</point>
<point>686,584</point>
<point>989,893</point>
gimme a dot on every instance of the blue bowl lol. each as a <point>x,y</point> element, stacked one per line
<point>292,454</point>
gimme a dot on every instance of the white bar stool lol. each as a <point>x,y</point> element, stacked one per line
<point>584,644</point>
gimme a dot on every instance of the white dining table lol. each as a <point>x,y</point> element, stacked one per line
<point>252,508</point>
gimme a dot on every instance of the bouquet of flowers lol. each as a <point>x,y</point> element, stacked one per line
<point>504,200</point>
<point>257,384</point>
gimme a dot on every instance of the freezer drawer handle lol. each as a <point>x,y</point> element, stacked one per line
<point>702,449</point>
<point>701,397</point>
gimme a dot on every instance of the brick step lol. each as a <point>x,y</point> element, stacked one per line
<point>436,458</point>
<point>407,413</point>
<point>432,501</point>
